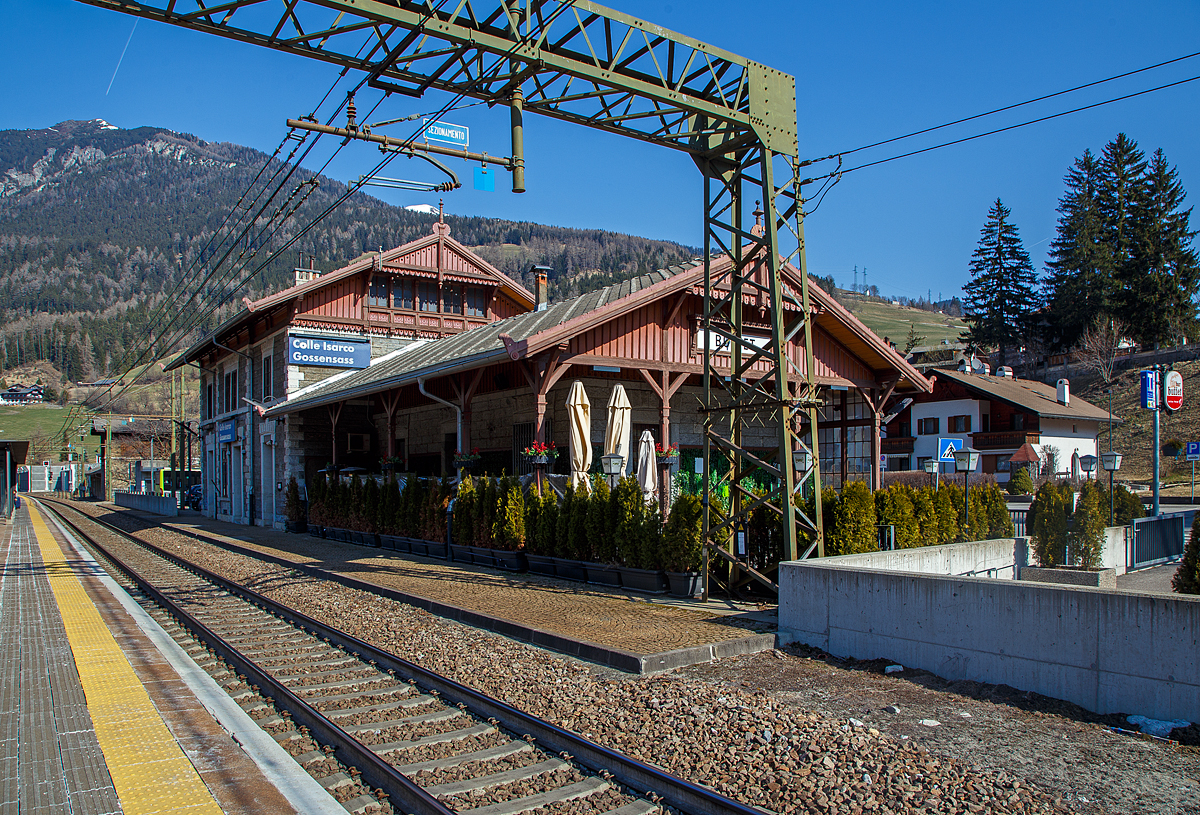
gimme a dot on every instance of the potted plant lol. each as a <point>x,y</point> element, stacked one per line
<point>293,508</point>
<point>636,532</point>
<point>466,461</point>
<point>391,464</point>
<point>667,456</point>
<point>683,550</point>
<point>464,521</point>
<point>540,453</point>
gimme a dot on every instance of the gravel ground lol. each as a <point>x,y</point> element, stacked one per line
<point>789,730</point>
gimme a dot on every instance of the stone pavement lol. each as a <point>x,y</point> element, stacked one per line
<point>1155,580</point>
<point>613,627</point>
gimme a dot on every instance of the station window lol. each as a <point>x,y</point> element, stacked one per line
<point>402,294</point>
<point>959,424</point>
<point>452,299</point>
<point>477,301</point>
<point>229,400</point>
<point>928,427</point>
<point>1018,421</point>
<point>267,375</point>
<point>427,295</point>
<point>378,294</point>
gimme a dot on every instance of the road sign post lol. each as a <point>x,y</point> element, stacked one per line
<point>1151,400</point>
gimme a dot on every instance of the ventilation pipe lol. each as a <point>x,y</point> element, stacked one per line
<point>440,400</point>
<point>1064,392</point>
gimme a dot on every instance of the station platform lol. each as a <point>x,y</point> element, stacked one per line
<point>94,718</point>
<point>622,629</point>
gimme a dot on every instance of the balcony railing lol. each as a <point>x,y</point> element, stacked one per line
<point>998,440</point>
<point>896,446</point>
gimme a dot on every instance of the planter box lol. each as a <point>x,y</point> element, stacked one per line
<point>483,557</point>
<point>602,575</point>
<point>316,531</point>
<point>684,584</point>
<point>461,554</point>
<point>363,538</point>
<point>650,581</point>
<point>541,564</point>
<point>392,542</point>
<point>296,526</point>
<point>509,561</point>
<point>338,534</point>
<point>1071,576</point>
<point>569,569</point>
<point>419,547</point>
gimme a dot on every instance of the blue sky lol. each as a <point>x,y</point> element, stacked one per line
<point>865,71</point>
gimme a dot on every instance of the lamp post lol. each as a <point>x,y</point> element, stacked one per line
<point>1088,463</point>
<point>931,467</point>
<point>801,460</point>
<point>1112,462</point>
<point>612,464</point>
<point>965,462</point>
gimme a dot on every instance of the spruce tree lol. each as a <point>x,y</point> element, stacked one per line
<point>1003,288</point>
<point>1079,286</point>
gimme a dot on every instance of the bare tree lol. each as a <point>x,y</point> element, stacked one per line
<point>1099,345</point>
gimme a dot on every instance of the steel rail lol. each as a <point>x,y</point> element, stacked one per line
<point>374,769</point>
<point>644,778</point>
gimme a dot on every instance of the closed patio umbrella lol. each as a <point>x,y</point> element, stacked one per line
<point>579,412</point>
<point>619,426</point>
<point>1075,469</point>
<point>647,467</point>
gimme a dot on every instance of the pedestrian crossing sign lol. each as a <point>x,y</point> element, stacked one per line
<point>946,448</point>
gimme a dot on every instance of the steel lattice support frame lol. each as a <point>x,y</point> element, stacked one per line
<point>736,394</point>
<point>581,62</point>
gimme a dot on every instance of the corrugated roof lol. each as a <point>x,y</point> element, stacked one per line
<point>1028,394</point>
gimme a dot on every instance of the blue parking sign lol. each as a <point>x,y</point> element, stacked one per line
<point>946,448</point>
<point>1193,451</point>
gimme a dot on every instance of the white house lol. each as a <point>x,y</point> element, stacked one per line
<point>995,415</point>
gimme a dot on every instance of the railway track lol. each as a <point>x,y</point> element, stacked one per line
<point>379,732</point>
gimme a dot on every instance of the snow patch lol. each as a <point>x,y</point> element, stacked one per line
<point>424,209</point>
<point>1155,727</point>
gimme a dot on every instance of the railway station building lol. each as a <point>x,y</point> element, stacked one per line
<point>500,386</point>
<point>324,327</point>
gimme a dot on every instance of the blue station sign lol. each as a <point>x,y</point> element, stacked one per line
<point>226,432</point>
<point>458,135</point>
<point>328,352</point>
<point>1150,398</point>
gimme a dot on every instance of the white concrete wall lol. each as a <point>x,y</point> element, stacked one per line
<point>158,504</point>
<point>990,558</point>
<point>926,446</point>
<point>1069,435</point>
<point>1108,652</point>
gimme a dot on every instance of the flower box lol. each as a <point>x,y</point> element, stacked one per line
<point>569,569</point>
<point>649,581</point>
<point>541,564</point>
<point>684,584</point>
<point>601,575</point>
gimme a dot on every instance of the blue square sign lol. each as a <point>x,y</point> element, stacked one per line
<point>946,448</point>
<point>485,179</point>
<point>1193,451</point>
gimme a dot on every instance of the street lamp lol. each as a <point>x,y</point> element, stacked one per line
<point>801,461</point>
<point>965,462</point>
<point>1088,463</point>
<point>612,464</point>
<point>931,467</point>
<point>1112,462</point>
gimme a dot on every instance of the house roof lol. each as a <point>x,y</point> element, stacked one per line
<point>360,264</point>
<point>530,333</point>
<point>1025,454</point>
<point>1027,394</point>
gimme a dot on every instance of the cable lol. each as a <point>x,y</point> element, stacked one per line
<point>1008,107</point>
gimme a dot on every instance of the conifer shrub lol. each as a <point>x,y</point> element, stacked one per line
<point>389,508</point>
<point>317,491</point>
<point>486,509</point>
<point>533,511</point>
<point>1047,521</point>
<point>1086,534</point>
<point>293,507</point>
<point>926,515</point>
<point>683,536</point>
<point>652,536</point>
<point>894,506</point>
<point>562,524</point>
<point>949,506</point>
<point>411,501</point>
<point>464,513</point>
<point>1187,574</point>
<point>577,528</point>
<point>598,524</point>
<point>547,519</point>
<point>999,519</point>
<point>508,526</point>
<point>1020,482</point>
<point>628,530</point>
<point>369,513</point>
<point>1125,505</point>
<point>829,502</point>
<point>854,519</point>
<point>355,519</point>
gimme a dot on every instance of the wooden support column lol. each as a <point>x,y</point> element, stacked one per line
<point>391,400</point>
<point>541,379</point>
<point>664,388</point>
<point>464,389</point>
<point>876,399</point>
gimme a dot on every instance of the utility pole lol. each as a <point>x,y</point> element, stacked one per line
<point>108,490</point>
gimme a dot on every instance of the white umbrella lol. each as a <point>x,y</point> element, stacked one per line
<point>579,410</point>
<point>618,428</point>
<point>647,467</point>
<point>1075,465</point>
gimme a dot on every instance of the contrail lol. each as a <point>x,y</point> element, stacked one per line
<point>122,57</point>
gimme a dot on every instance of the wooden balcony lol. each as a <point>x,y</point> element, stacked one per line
<point>896,446</point>
<point>1004,439</point>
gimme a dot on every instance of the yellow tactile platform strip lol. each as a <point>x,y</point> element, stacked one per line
<point>148,768</point>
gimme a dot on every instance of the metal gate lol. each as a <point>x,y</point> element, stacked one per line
<point>1158,540</point>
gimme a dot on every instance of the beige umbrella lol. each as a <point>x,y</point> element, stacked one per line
<point>647,467</point>
<point>579,410</point>
<point>619,426</point>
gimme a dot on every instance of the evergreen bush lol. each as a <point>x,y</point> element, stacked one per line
<point>293,507</point>
<point>317,492</point>
<point>1125,505</point>
<point>1020,482</point>
<point>598,524</point>
<point>464,513</point>
<point>1047,521</point>
<point>926,514</point>
<point>1087,533</point>
<point>1187,575</point>
<point>389,508</point>
<point>369,521</point>
<point>628,530</point>
<point>533,512</point>
<point>829,502</point>
<point>949,505</point>
<point>562,524</point>
<point>547,520</point>
<point>894,506</point>
<point>683,537</point>
<point>855,520</point>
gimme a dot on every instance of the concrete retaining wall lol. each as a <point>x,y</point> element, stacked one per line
<point>990,558</point>
<point>1106,651</point>
<point>158,504</point>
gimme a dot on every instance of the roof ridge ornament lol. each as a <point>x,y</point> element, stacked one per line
<point>441,228</point>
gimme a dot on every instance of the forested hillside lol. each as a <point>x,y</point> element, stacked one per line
<point>99,224</point>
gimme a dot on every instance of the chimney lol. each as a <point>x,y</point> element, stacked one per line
<point>1005,372</point>
<point>541,289</point>
<point>1064,392</point>
<point>302,275</point>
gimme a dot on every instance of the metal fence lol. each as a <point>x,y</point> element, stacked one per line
<point>1158,540</point>
<point>1018,519</point>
